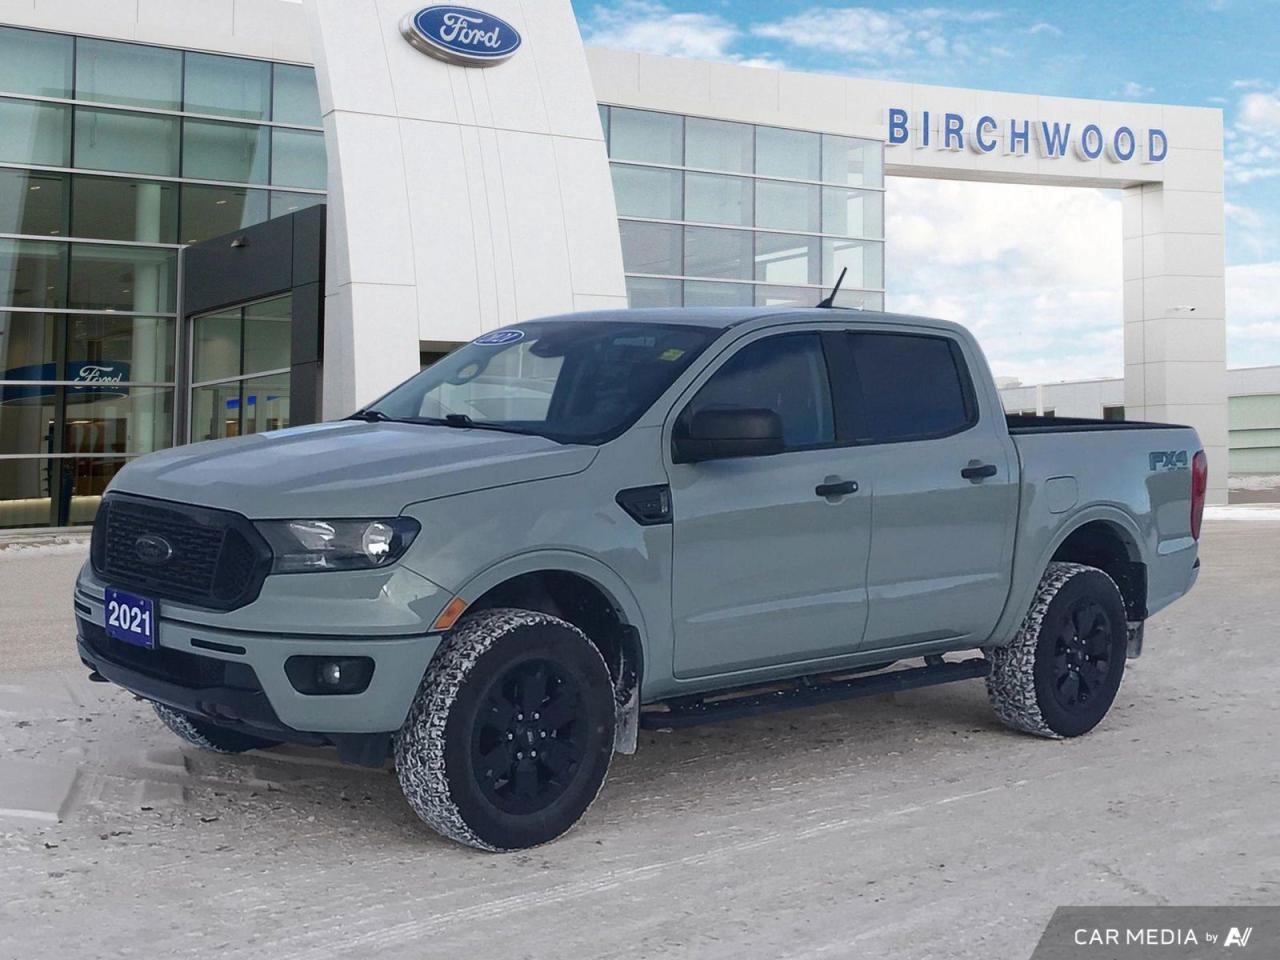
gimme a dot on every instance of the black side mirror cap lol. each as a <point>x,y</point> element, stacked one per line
<point>726,434</point>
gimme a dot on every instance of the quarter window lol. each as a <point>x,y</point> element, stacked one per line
<point>911,387</point>
<point>786,374</point>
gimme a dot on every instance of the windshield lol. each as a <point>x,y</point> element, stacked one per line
<point>575,381</point>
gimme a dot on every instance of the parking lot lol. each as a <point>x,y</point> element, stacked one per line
<point>902,825</point>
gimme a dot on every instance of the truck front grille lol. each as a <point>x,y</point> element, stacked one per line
<point>171,551</point>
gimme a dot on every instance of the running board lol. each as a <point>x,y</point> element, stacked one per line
<point>811,691</point>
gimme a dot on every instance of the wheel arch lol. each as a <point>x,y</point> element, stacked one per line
<point>1112,547</point>
<point>587,594</point>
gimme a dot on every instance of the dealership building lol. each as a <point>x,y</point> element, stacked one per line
<point>220,217</point>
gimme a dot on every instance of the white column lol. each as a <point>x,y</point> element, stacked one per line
<point>1175,309</point>
<point>148,349</point>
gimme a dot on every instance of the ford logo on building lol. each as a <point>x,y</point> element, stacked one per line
<point>461,35</point>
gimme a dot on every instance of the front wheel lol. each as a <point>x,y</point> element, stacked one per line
<point>208,736</point>
<point>1060,674</point>
<point>510,736</point>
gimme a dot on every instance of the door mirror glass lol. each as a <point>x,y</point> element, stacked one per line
<point>722,434</point>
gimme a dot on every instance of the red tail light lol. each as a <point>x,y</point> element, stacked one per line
<point>1199,489</point>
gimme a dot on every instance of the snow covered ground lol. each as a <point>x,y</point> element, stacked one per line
<point>909,825</point>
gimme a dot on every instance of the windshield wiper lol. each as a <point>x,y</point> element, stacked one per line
<point>370,416</point>
<point>464,422</point>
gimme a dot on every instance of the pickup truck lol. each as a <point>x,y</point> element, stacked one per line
<point>581,526</point>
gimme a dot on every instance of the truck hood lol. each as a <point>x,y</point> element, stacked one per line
<point>346,469</point>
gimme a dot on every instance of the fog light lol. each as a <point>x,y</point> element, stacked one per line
<point>318,676</point>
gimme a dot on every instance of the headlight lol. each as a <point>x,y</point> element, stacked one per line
<point>305,545</point>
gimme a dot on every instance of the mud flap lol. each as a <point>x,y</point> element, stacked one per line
<point>1136,631</point>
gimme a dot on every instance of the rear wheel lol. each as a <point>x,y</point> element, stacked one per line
<point>1060,675</point>
<point>511,734</point>
<point>207,736</point>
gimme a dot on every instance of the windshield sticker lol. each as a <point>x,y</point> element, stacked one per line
<point>671,355</point>
<point>499,338</point>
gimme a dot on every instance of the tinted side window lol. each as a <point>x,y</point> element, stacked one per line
<point>911,387</point>
<point>786,374</point>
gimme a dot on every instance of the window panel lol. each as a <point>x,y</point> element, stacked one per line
<point>28,344</point>
<point>857,163</point>
<point>285,203</point>
<point>36,133</point>
<point>787,206</point>
<point>647,192</point>
<point>216,345</point>
<point>651,248</point>
<point>225,151</point>
<point>33,202</point>
<point>295,98</point>
<point>852,213</point>
<point>864,259</point>
<point>646,136</point>
<point>714,252</point>
<point>297,159</point>
<point>708,293</point>
<point>212,211</point>
<point>604,123</point>
<point>33,273</point>
<point>113,208</point>
<point>268,326</point>
<point>129,74</point>
<point>788,153</point>
<point>933,401</point>
<point>264,403</point>
<point>227,86</point>
<point>215,411</point>
<point>652,292</point>
<point>719,145</point>
<point>27,418</point>
<point>118,419</point>
<point>860,299</point>
<point>134,279</point>
<point>136,349</point>
<point>710,198</point>
<point>35,62</point>
<point>26,485</point>
<point>787,258</point>
<point>126,142</point>
<point>768,296</point>
<point>786,374</point>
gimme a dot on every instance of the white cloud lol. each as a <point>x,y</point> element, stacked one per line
<point>648,27</point>
<point>1253,140</point>
<point>1042,27</point>
<point>1253,314</point>
<point>1260,112</point>
<point>879,36</point>
<point>1034,271</point>
<point>1136,91</point>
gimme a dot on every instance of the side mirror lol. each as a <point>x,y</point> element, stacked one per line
<point>722,434</point>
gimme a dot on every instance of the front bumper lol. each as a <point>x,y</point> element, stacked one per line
<point>237,677</point>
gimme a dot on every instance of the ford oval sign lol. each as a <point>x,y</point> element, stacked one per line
<point>461,35</point>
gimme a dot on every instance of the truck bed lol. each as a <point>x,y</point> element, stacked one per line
<point>1028,424</point>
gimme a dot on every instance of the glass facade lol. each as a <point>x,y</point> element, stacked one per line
<point>714,213</point>
<point>113,155</point>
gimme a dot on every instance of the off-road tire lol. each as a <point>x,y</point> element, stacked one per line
<point>1033,679</point>
<point>449,754</point>
<point>207,736</point>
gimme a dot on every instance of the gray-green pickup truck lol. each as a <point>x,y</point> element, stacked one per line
<point>581,526</point>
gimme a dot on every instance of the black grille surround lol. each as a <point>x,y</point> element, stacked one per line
<point>218,560</point>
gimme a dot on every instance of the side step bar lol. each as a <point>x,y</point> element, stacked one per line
<point>810,691</point>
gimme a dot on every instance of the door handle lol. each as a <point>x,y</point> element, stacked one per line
<point>837,488</point>
<point>978,471</point>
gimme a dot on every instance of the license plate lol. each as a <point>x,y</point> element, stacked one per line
<point>129,618</point>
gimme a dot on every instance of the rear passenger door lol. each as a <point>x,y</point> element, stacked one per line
<point>944,495</point>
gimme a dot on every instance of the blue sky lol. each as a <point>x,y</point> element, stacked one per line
<point>1213,53</point>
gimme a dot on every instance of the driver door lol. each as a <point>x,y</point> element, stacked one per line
<point>766,569</point>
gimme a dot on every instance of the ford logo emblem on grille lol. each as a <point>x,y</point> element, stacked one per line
<point>152,549</point>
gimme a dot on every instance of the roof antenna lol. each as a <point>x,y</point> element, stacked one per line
<point>830,302</point>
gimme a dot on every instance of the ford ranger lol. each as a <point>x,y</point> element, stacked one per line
<point>581,526</point>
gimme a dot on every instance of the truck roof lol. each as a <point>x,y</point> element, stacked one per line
<point>723,318</point>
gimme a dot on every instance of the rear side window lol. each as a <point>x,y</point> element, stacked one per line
<point>786,374</point>
<point>910,387</point>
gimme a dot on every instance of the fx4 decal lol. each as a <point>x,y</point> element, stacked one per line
<point>1169,460</point>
